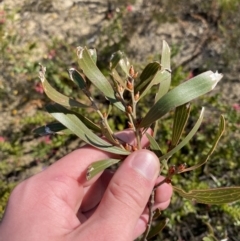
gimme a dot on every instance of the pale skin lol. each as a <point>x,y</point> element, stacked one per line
<point>59,204</point>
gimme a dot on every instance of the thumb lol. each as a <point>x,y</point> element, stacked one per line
<point>127,195</point>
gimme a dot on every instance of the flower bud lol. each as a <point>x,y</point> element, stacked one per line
<point>136,97</point>
<point>129,85</point>
<point>135,75</point>
<point>120,89</point>
<point>131,71</point>
<point>134,148</point>
<point>128,147</point>
<point>168,180</point>
<point>171,170</point>
<point>138,121</point>
<point>104,114</point>
<point>129,109</point>
<point>130,125</point>
<point>181,167</point>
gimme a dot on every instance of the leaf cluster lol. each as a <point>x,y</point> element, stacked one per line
<point>126,89</point>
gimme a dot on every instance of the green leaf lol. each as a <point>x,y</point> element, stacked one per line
<point>117,78</point>
<point>164,85</point>
<point>164,78</point>
<point>74,124</point>
<point>210,238</point>
<point>99,166</point>
<point>211,196</point>
<point>157,214</point>
<point>93,54</point>
<point>77,78</point>
<point>92,72</point>
<point>154,145</point>
<point>217,139</point>
<point>147,76</point>
<point>182,94</point>
<point>55,95</point>
<point>160,77</point>
<point>52,128</point>
<point>165,82</point>
<point>181,116</point>
<point>166,66</point>
<point>157,227</point>
<point>119,58</point>
<point>186,139</point>
<point>58,108</point>
<point>166,56</point>
<point>115,58</point>
<point>107,133</point>
<point>119,66</point>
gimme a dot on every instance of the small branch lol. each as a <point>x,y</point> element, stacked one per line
<point>166,179</point>
<point>151,212</point>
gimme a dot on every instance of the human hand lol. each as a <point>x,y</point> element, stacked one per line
<point>60,204</point>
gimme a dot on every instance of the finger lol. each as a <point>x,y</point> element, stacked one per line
<point>93,194</point>
<point>96,191</point>
<point>68,175</point>
<point>163,194</point>
<point>128,136</point>
<point>127,195</point>
<point>162,200</point>
<point>77,162</point>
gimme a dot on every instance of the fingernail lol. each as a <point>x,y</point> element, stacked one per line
<point>145,163</point>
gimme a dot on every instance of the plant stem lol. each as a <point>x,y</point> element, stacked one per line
<point>160,183</point>
<point>151,212</point>
<point>107,131</point>
<point>138,133</point>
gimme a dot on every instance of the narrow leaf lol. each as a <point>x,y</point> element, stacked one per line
<point>58,108</point>
<point>93,54</point>
<point>160,77</point>
<point>166,56</point>
<point>157,227</point>
<point>180,95</point>
<point>99,166</point>
<point>147,76</point>
<point>211,196</point>
<point>119,59</point>
<point>107,133</point>
<point>125,65</point>
<point>166,66</point>
<point>154,145</point>
<point>210,238</point>
<point>74,124</point>
<point>157,213</point>
<point>181,116</point>
<point>186,139</point>
<point>163,86</point>
<point>55,95</point>
<point>117,78</point>
<point>77,78</point>
<point>92,72</point>
<point>52,128</point>
<point>217,138</point>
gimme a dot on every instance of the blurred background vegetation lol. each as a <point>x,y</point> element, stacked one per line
<point>202,35</point>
